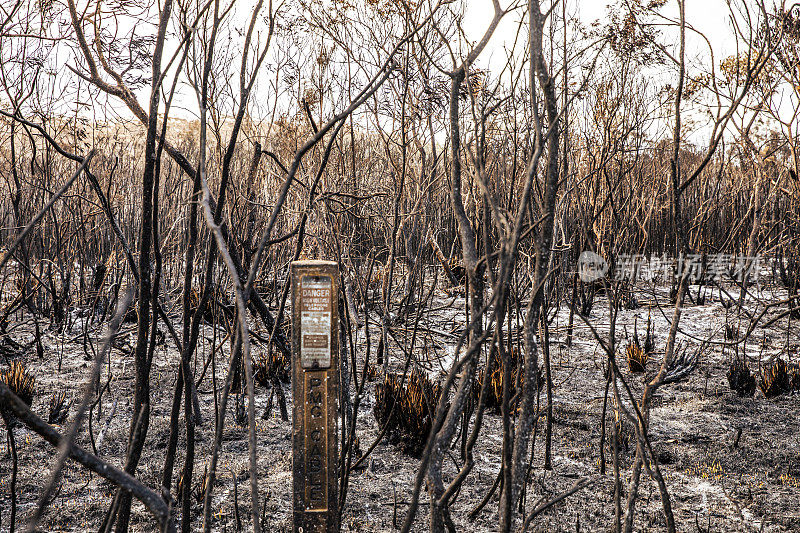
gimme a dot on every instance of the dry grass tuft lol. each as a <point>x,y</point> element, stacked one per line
<point>407,408</point>
<point>58,408</point>
<point>21,382</point>
<point>740,379</point>
<point>637,357</point>
<point>268,368</point>
<point>218,308</point>
<point>775,380</point>
<point>371,373</point>
<point>198,489</point>
<point>240,411</point>
<point>794,377</point>
<point>494,398</point>
<point>626,433</point>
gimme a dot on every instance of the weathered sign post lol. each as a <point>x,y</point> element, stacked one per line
<point>315,388</point>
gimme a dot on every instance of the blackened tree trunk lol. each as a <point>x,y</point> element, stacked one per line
<point>140,420</point>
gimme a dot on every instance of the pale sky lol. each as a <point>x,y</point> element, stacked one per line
<point>708,16</point>
<point>711,17</point>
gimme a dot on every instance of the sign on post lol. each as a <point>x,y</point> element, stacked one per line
<point>315,388</point>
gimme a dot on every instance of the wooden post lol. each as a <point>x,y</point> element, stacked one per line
<point>315,389</point>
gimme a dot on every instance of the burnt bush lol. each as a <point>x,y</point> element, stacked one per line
<point>407,407</point>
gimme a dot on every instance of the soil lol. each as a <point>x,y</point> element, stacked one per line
<point>731,463</point>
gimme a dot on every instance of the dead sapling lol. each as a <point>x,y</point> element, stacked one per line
<point>628,298</point>
<point>649,344</point>
<point>701,296</point>
<point>453,267</point>
<point>218,308</point>
<point>730,332</point>
<point>240,411</point>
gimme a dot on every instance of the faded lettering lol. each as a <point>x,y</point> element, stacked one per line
<point>316,443</point>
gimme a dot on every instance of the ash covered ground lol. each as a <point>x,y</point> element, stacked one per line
<point>731,463</point>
